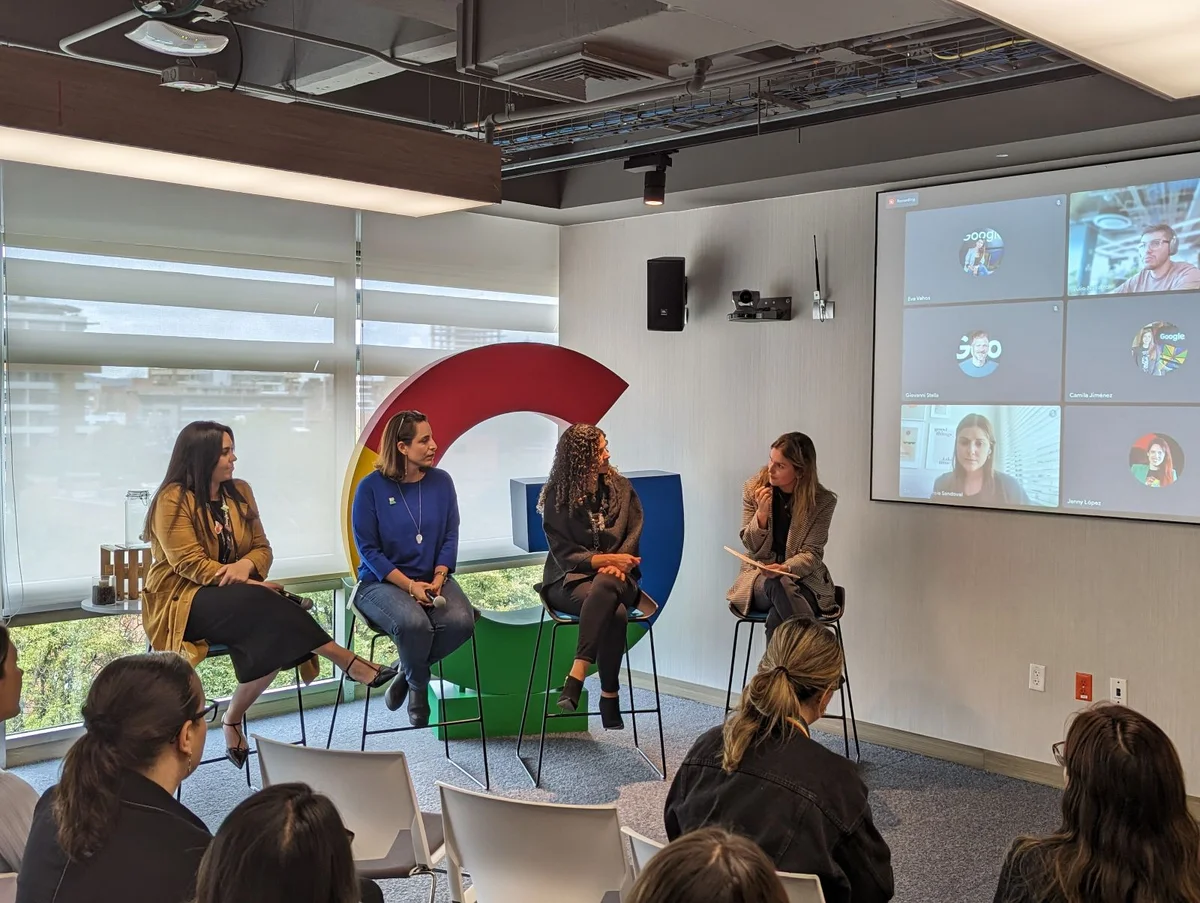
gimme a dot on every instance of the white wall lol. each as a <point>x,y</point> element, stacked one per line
<point>947,608</point>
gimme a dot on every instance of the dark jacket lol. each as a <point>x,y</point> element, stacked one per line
<point>573,539</point>
<point>152,853</point>
<point>804,805</point>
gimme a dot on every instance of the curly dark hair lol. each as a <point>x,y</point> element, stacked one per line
<point>576,460</point>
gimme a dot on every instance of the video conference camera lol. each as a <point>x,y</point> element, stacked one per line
<point>749,305</point>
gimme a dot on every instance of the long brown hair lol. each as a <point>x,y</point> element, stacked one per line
<point>801,453</point>
<point>1126,834</point>
<point>576,462</point>
<point>402,427</point>
<point>710,865</point>
<point>1166,472</point>
<point>285,844</point>
<point>802,661</point>
<point>195,456</point>
<point>136,707</point>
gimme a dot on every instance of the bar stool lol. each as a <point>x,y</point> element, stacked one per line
<point>640,615</point>
<point>833,620</point>
<point>377,635</point>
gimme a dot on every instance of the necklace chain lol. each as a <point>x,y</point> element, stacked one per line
<point>419,519</point>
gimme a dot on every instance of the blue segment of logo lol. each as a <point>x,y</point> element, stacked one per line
<point>661,494</point>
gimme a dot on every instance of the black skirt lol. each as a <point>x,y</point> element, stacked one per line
<point>264,631</point>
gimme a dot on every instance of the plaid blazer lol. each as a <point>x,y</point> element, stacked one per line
<point>805,549</point>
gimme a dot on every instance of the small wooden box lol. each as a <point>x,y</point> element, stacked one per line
<point>127,567</point>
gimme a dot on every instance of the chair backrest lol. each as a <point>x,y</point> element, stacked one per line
<point>642,848</point>
<point>8,887</point>
<point>373,792</point>
<point>527,852</point>
<point>802,888</point>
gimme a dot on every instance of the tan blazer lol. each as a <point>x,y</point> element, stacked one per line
<point>186,558</point>
<point>805,549</point>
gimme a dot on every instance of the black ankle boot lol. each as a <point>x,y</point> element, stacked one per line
<point>610,713</point>
<point>418,707</point>
<point>568,699</point>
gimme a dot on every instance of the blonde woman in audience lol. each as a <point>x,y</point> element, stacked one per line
<point>17,798</point>
<point>112,830</point>
<point>709,866</point>
<point>764,777</point>
<point>1126,834</point>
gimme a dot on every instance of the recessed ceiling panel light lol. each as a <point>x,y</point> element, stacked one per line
<point>168,39</point>
<point>1152,45</point>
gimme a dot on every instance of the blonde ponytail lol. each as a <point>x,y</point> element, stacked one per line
<point>802,660</point>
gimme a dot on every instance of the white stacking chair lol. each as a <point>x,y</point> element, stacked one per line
<point>525,852</point>
<point>8,887</point>
<point>802,888</point>
<point>373,792</point>
<point>642,848</point>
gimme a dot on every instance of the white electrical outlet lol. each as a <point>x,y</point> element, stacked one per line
<point>1117,690</point>
<point>1037,678</point>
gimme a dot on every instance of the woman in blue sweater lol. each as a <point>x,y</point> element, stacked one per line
<point>405,520</point>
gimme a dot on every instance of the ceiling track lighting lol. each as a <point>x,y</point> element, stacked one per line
<point>654,186</point>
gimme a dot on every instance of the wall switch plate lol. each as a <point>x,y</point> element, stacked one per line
<point>1083,686</point>
<point>1117,690</point>
<point>1037,678</point>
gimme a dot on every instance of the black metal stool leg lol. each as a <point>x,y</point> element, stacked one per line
<point>849,697</point>
<point>300,709</point>
<point>632,698</point>
<point>737,626</point>
<point>537,781</point>
<point>337,700</point>
<point>749,649</point>
<point>537,645</point>
<point>367,702</point>
<point>662,743</point>
<point>246,734</point>
<point>487,777</point>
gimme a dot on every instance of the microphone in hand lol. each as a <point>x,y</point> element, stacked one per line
<point>437,600</point>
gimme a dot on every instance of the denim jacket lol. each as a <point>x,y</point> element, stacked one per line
<point>805,806</point>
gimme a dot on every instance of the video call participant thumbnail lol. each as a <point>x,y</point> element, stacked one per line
<point>1152,461</point>
<point>974,479</point>
<point>1160,273</point>
<point>979,362</point>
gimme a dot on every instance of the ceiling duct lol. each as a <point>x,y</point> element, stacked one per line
<point>593,72</point>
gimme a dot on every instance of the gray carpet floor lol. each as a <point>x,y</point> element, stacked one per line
<point>948,826</point>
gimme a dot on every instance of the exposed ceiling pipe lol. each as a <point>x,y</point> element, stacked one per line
<point>905,32</point>
<point>696,84</point>
<point>927,39</point>
<point>402,65</point>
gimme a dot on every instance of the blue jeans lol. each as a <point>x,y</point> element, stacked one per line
<point>422,635</point>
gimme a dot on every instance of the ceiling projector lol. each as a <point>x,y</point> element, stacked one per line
<point>173,41</point>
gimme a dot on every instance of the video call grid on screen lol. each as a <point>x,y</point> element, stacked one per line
<point>1074,291</point>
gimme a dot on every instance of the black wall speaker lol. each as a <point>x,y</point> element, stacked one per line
<point>666,294</point>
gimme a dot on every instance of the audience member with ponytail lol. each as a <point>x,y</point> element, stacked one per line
<point>111,830</point>
<point>17,799</point>
<point>762,776</point>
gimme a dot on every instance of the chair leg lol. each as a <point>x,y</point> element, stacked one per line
<point>749,649</point>
<point>300,709</point>
<point>337,700</point>
<point>362,746</point>
<point>632,698</point>
<point>537,645</point>
<point>246,734</point>
<point>537,781</point>
<point>445,731</point>
<point>662,743</point>
<point>737,626</point>
<point>487,778</point>
<point>849,696</point>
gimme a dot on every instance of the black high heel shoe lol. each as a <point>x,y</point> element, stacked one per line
<point>568,699</point>
<point>383,675</point>
<point>236,754</point>
<point>610,713</point>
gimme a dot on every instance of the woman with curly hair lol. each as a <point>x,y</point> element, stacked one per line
<point>593,524</point>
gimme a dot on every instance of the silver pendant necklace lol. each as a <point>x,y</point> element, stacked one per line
<point>419,519</point>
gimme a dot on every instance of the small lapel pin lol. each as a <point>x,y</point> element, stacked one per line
<point>391,501</point>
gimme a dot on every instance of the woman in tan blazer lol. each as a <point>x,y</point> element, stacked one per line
<point>208,581</point>
<point>786,514</point>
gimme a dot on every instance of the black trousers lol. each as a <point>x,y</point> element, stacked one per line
<point>603,604</point>
<point>782,598</point>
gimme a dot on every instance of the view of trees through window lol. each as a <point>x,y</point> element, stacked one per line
<point>60,659</point>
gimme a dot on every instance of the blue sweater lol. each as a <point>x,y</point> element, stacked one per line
<point>386,536</point>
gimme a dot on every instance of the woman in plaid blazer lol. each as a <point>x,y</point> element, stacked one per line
<point>786,514</point>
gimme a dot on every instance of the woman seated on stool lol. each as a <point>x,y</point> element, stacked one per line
<point>408,551</point>
<point>1126,831</point>
<point>17,799</point>
<point>786,514</point>
<point>762,776</point>
<point>593,524</point>
<point>206,584</point>
<point>112,830</point>
<point>285,844</point>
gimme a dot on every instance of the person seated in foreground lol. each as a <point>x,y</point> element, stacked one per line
<point>17,799</point>
<point>1126,832</point>
<point>592,518</point>
<point>112,830</point>
<point>285,844</point>
<point>710,865</point>
<point>762,776</point>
